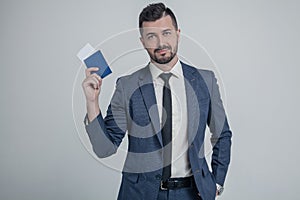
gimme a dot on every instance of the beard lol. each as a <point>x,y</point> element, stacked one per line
<point>164,59</point>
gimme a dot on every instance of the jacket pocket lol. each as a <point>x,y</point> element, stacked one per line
<point>209,182</point>
<point>206,171</point>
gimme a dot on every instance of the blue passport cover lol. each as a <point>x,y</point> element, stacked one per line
<point>97,60</point>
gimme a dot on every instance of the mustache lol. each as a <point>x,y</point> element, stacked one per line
<point>162,47</point>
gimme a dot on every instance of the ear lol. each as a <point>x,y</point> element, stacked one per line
<point>178,34</point>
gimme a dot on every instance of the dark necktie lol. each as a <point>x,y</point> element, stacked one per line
<point>167,126</point>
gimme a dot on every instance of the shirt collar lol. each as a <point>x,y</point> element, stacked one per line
<point>176,70</point>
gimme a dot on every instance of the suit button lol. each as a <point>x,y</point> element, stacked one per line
<point>158,177</point>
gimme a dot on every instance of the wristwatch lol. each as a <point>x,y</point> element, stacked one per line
<point>220,189</point>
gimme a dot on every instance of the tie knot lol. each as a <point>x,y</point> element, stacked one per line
<point>165,76</point>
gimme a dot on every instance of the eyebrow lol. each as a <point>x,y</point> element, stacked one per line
<point>152,33</point>
<point>167,30</point>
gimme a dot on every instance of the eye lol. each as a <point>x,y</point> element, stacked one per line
<point>166,33</point>
<point>151,36</point>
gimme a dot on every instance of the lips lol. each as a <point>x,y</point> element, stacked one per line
<point>162,51</point>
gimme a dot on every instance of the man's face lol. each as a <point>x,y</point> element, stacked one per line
<point>160,39</point>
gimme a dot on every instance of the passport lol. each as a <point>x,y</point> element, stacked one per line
<point>97,60</point>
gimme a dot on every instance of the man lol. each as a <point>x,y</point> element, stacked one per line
<point>165,108</point>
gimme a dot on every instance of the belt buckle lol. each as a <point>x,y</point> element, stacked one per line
<point>162,187</point>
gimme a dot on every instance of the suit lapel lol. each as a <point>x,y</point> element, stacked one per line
<point>194,85</point>
<point>194,92</point>
<point>148,93</point>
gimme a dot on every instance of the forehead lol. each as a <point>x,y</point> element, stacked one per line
<point>158,25</point>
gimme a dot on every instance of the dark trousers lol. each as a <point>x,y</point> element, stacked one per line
<point>189,193</point>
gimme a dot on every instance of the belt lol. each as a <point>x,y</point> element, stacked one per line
<point>177,183</point>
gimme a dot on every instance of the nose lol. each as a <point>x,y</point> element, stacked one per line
<point>160,40</point>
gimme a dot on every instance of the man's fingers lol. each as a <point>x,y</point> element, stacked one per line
<point>92,81</point>
<point>98,79</point>
<point>96,82</point>
<point>88,71</point>
<point>96,76</point>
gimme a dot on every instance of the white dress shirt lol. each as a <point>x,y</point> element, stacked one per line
<point>180,166</point>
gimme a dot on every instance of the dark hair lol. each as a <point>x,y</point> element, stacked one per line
<point>154,12</point>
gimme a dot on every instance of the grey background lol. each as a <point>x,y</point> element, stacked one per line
<point>255,45</point>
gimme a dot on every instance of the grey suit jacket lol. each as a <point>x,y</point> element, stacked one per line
<point>133,109</point>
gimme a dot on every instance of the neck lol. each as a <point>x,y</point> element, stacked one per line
<point>168,66</point>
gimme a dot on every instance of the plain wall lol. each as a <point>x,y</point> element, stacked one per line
<point>255,49</point>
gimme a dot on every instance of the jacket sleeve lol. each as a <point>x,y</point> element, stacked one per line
<point>221,133</point>
<point>106,134</point>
